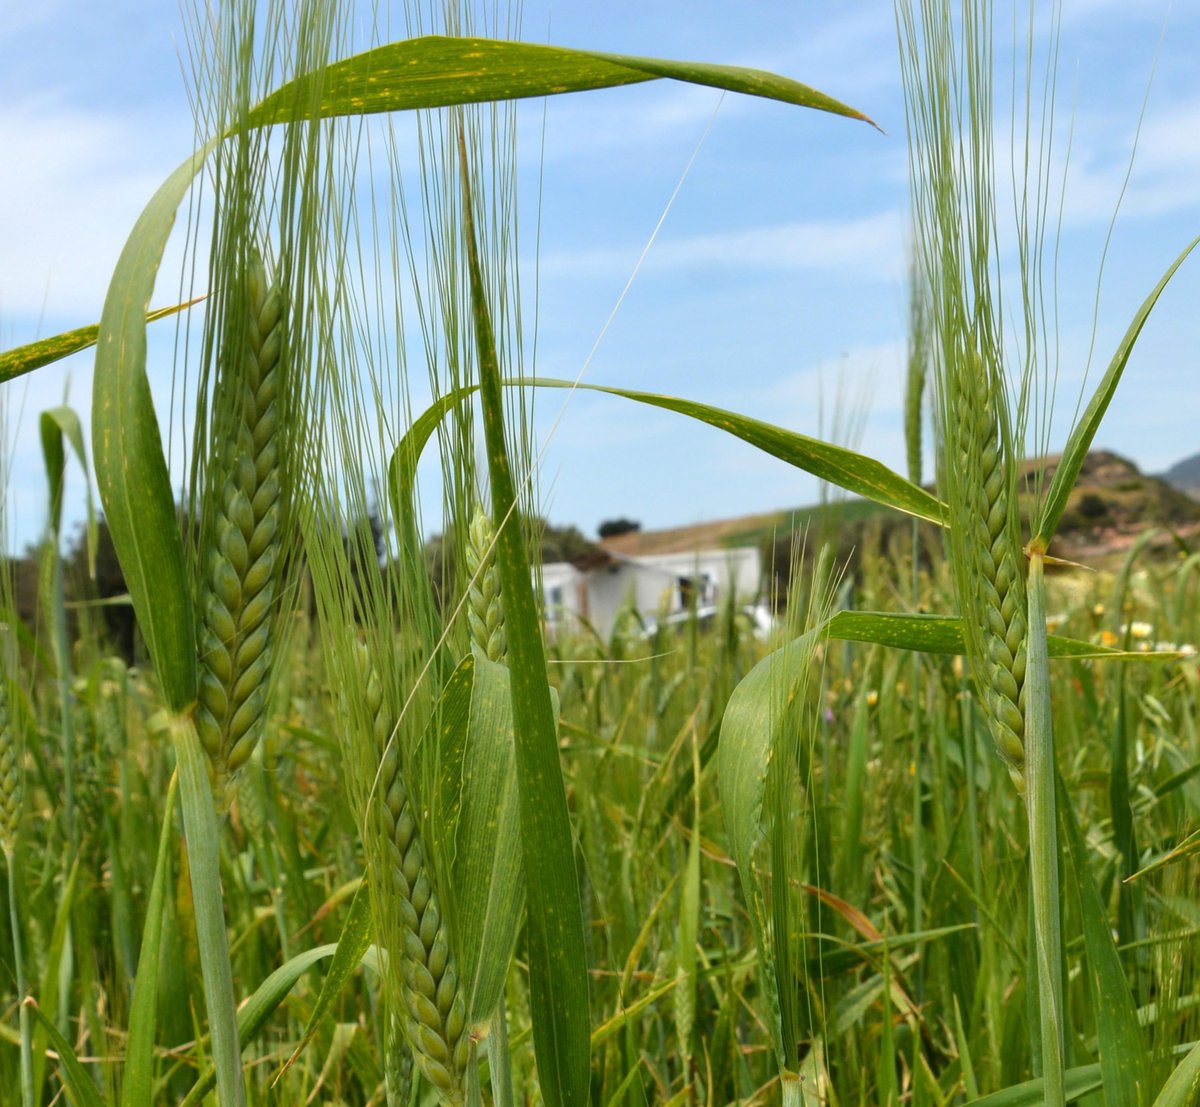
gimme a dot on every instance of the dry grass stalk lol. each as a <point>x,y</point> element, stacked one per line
<point>238,591</point>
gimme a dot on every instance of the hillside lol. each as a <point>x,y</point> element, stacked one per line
<point>1185,475</point>
<point>1112,503</point>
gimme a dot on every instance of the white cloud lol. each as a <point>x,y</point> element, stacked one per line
<point>73,181</point>
<point>873,244</point>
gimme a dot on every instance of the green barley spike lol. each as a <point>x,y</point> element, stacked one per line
<point>995,578</point>
<point>241,574</point>
<point>484,612</point>
<point>434,1010</point>
<point>397,1065</point>
<point>10,778</point>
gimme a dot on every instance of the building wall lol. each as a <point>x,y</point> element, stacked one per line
<point>652,584</point>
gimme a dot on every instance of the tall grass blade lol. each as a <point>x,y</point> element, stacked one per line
<point>80,1086</point>
<point>138,1082</point>
<point>557,961</point>
<point>131,469</point>
<point>1123,1053</point>
<point>749,733</point>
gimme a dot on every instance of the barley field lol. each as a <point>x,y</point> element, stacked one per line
<point>317,812</point>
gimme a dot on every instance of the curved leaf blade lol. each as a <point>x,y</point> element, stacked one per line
<point>56,425</point>
<point>747,745</point>
<point>852,471</point>
<point>352,945</point>
<point>1182,1088</point>
<point>131,469</point>
<point>33,355</point>
<point>437,71</point>
<point>254,1013</point>
<point>79,1084</point>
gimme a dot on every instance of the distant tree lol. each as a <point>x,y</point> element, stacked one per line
<point>611,528</point>
<point>116,621</point>
<point>1092,507</point>
<point>559,543</point>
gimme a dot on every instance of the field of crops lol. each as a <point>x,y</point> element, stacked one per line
<point>339,826</point>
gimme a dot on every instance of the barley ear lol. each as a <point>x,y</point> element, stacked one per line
<point>990,568</point>
<point>484,613</point>
<point>10,777</point>
<point>434,1012</point>
<point>242,562</point>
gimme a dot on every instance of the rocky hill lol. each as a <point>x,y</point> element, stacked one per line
<point>1112,503</point>
<point>1185,475</point>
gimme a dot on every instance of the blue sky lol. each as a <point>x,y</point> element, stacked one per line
<point>775,286</point>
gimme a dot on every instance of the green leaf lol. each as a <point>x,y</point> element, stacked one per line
<point>487,871</point>
<point>1123,1052</point>
<point>131,470</point>
<point>60,937</point>
<point>438,71</point>
<point>558,983</point>
<point>57,424</point>
<point>943,634</point>
<point>352,944</point>
<point>748,736</point>
<point>1084,431</point>
<point>80,1085</point>
<point>1182,1088</point>
<point>25,359</point>
<point>1189,845</point>
<point>254,1013</point>
<point>1079,1082</point>
<point>849,470</point>
<point>138,1081</point>
<point>204,860</point>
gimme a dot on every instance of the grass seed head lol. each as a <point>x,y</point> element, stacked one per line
<point>484,611</point>
<point>239,590</point>
<point>10,777</point>
<point>434,1010</point>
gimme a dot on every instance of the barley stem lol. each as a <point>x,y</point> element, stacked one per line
<point>1043,840</point>
<point>27,1098</point>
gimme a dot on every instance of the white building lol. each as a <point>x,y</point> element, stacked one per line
<point>594,590</point>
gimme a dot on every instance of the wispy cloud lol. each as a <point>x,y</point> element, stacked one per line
<point>871,245</point>
<point>78,180</point>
